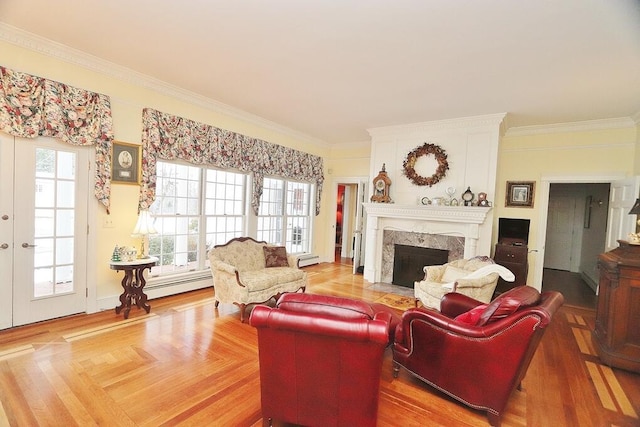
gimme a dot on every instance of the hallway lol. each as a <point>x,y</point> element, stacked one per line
<point>575,291</point>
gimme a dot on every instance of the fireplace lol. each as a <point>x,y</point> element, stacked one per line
<point>409,261</point>
<point>464,231</point>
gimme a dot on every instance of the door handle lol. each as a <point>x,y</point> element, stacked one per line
<point>4,246</point>
<point>26,245</point>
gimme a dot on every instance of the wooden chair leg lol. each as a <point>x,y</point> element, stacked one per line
<point>396,369</point>
<point>243,308</point>
<point>494,420</point>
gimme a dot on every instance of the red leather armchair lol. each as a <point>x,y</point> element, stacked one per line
<point>480,358</point>
<point>321,359</point>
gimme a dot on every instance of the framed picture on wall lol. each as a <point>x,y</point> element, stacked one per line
<point>520,194</point>
<point>125,163</point>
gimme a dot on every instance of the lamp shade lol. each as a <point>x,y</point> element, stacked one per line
<point>635,210</point>
<point>144,226</point>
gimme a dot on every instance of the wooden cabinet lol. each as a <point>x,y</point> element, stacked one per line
<point>616,334</point>
<point>513,257</point>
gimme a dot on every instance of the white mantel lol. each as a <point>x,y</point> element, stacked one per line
<point>469,222</point>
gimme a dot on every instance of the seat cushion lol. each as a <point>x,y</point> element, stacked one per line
<point>266,278</point>
<point>508,303</point>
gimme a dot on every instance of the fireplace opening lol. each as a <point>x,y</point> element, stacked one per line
<point>408,263</point>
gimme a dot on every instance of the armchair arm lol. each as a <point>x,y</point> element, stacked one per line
<point>293,260</point>
<point>454,304</point>
<point>222,266</point>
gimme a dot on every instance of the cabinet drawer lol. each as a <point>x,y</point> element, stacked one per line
<point>508,253</point>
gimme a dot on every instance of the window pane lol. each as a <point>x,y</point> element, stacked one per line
<point>45,163</point>
<point>65,219</point>
<point>64,251</point>
<point>66,165</point>
<point>66,194</point>
<point>44,223</point>
<point>45,193</point>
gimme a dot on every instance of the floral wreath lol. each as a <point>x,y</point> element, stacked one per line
<point>425,150</point>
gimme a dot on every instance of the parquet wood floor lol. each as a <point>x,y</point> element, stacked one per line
<point>187,363</point>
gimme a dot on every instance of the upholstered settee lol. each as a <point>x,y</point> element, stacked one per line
<point>321,359</point>
<point>476,353</point>
<point>475,277</point>
<point>246,271</point>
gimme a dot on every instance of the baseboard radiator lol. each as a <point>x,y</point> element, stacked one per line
<point>308,259</point>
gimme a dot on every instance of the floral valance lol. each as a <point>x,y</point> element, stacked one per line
<point>32,106</point>
<point>168,137</point>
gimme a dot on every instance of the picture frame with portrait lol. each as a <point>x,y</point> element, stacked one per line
<point>520,194</point>
<point>125,163</point>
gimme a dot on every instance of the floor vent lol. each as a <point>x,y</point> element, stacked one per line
<point>308,259</point>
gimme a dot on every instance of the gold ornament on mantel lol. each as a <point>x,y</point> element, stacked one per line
<point>425,150</point>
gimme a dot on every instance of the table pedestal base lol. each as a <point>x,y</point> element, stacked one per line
<point>133,287</point>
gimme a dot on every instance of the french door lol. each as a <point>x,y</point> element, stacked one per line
<point>44,186</point>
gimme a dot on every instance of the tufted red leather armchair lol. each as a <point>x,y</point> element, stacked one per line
<point>481,362</point>
<point>321,359</point>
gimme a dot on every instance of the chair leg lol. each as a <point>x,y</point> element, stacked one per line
<point>494,420</point>
<point>243,308</point>
<point>396,369</point>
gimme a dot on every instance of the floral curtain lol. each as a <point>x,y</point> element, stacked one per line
<point>32,106</point>
<point>168,137</point>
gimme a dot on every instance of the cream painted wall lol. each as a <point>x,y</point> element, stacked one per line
<point>352,160</point>
<point>602,152</point>
<point>129,96</point>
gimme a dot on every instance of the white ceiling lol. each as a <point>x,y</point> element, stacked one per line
<point>333,68</point>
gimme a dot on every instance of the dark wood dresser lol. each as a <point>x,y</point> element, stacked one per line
<point>616,334</point>
<point>513,256</point>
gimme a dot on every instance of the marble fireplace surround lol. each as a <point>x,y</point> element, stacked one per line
<point>459,229</point>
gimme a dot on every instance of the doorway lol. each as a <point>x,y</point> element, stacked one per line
<point>345,222</point>
<point>43,229</point>
<point>349,240</point>
<point>623,193</point>
<point>575,235</point>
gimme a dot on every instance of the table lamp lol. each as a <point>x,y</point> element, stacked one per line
<point>143,228</point>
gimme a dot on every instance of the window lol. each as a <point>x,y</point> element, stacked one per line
<point>284,217</point>
<point>195,209</point>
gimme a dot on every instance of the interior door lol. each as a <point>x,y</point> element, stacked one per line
<point>46,229</point>
<point>559,243</point>
<point>622,196</point>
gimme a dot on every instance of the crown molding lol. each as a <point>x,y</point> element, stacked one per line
<point>484,121</point>
<point>93,63</point>
<point>636,118</point>
<point>584,126</point>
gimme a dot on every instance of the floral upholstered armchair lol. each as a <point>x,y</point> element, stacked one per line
<point>475,277</point>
